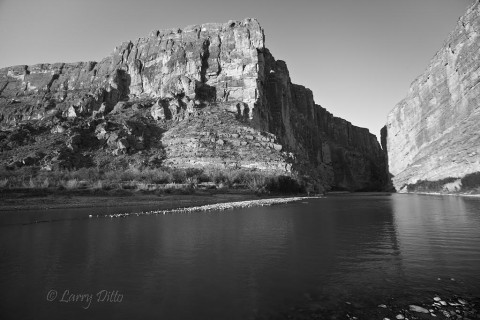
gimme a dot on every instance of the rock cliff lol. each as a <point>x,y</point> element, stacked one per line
<point>433,133</point>
<point>205,95</point>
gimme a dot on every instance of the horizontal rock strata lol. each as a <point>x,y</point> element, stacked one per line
<point>205,95</point>
<point>433,133</point>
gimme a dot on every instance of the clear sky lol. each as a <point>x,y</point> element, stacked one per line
<point>357,56</point>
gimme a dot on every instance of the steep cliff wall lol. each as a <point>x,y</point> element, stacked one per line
<point>210,62</point>
<point>434,132</point>
<point>207,95</point>
<point>344,156</point>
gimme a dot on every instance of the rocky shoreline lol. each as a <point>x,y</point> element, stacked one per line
<point>214,207</point>
<point>453,307</point>
<point>436,307</point>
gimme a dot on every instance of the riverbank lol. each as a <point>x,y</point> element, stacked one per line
<point>214,207</point>
<point>21,200</point>
<point>31,200</point>
<point>470,195</point>
<point>37,209</point>
<point>401,308</point>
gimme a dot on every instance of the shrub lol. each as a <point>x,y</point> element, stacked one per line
<point>193,172</point>
<point>429,186</point>
<point>283,184</point>
<point>98,185</point>
<point>179,176</point>
<point>238,176</point>
<point>159,176</point>
<point>29,184</point>
<point>70,184</point>
<point>45,183</point>
<point>256,182</point>
<point>471,181</point>
<point>130,174</point>
<point>3,182</point>
<point>217,175</point>
<point>89,174</point>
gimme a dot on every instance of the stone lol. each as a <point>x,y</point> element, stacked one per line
<point>71,113</point>
<point>119,107</point>
<point>432,131</point>
<point>419,309</point>
<point>57,129</point>
<point>100,112</point>
<point>74,142</point>
<point>277,147</point>
<point>157,111</point>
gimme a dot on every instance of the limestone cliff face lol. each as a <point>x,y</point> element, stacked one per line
<point>207,95</point>
<point>434,132</point>
<point>210,62</point>
<point>344,156</point>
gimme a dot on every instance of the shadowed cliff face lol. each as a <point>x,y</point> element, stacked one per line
<point>338,154</point>
<point>207,95</point>
<point>433,133</point>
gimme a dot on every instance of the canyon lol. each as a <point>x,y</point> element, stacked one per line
<point>209,95</point>
<point>433,134</point>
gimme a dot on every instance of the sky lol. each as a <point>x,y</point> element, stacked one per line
<point>357,56</point>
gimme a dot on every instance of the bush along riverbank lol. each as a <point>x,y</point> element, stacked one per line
<point>159,180</point>
<point>468,185</point>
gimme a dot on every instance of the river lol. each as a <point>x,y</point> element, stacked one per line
<point>331,257</point>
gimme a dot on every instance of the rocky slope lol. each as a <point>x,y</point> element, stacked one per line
<point>207,95</point>
<point>434,132</point>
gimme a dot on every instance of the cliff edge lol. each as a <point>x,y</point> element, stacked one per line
<point>433,134</point>
<point>209,95</point>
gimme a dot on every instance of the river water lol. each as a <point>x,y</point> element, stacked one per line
<point>331,257</point>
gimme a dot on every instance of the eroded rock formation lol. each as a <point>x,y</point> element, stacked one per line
<point>433,133</point>
<point>207,95</point>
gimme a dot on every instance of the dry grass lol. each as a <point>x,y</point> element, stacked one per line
<point>149,179</point>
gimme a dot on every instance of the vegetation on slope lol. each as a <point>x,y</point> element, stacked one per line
<point>469,184</point>
<point>148,179</point>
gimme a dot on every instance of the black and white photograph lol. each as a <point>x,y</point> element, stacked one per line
<point>240,159</point>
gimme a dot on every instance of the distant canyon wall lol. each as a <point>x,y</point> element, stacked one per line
<point>434,133</point>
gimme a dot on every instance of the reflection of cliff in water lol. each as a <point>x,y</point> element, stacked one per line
<point>251,263</point>
<point>354,251</point>
<point>440,231</point>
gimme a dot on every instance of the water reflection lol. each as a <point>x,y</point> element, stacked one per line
<point>441,233</point>
<point>249,263</point>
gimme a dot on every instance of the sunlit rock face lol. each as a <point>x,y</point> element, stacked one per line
<point>434,132</point>
<point>205,95</point>
<point>211,62</point>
